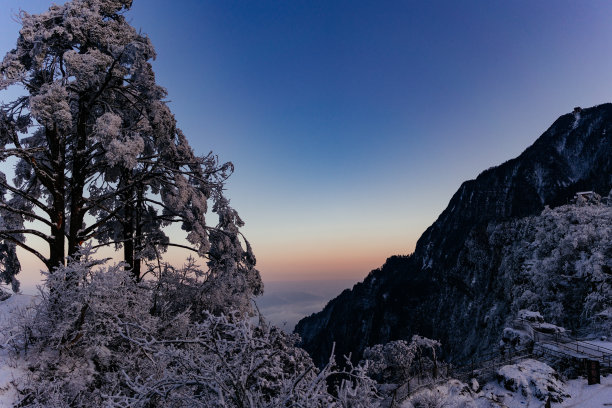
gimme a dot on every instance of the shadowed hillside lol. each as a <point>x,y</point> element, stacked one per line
<point>448,287</point>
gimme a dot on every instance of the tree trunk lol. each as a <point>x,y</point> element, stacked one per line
<point>57,243</point>
<point>128,231</point>
<point>57,247</point>
<point>138,233</point>
<point>128,224</point>
<point>79,175</point>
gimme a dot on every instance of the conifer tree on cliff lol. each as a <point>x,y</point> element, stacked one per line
<point>98,153</point>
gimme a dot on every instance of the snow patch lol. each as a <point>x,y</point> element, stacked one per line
<point>576,119</point>
<point>588,396</point>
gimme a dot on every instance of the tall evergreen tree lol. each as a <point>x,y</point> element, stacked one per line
<point>98,152</point>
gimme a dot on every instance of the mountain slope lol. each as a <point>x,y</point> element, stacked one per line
<point>428,292</point>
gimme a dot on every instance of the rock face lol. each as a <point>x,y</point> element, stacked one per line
<point>452,287</point>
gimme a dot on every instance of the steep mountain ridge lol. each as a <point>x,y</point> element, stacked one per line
<point>427,292</point>
<point>573,154</point>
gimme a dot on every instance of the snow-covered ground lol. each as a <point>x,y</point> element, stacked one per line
<point>525,384</point>
<point>581,396</point>
<point>588,396</point>
<point>532,378</point>
<point>10,368</point>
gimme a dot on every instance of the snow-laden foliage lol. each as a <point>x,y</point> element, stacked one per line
<point>560,264</point>
<point>527,383</point>
<point>99,155</point>
<point>100,338</point>
<point>398,361</point>
<point>453,394</point>
<point>190,287</point>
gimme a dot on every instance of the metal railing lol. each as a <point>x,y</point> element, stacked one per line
<point>485,365</point>
<point>566,346</point>
<point>572,347</point>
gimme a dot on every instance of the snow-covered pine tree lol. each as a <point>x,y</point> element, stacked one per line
<point>92,135</point>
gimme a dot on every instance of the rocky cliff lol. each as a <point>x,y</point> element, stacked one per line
<point>458,285</point>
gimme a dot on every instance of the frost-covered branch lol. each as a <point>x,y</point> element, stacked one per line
<point>26,231</point>
<point>116,353</point>
<point>23,245</point>
<point>23,194</point>
<point>27,214</point>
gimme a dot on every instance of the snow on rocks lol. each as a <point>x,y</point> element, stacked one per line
<point>530,316</point>
<point>578,395</point>
<point>515,339</point>
<point>528,328</point>
<point>532,383</point>
<point>533,378</point>
<point>537,323</point>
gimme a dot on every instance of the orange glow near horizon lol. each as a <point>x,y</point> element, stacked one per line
<point>322,259</point>
<point>326,259</point>
<point>309,249</point>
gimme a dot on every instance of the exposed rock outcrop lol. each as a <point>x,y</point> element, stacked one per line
<point>464,279</point>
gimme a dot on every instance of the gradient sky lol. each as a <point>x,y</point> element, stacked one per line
<point>352,123</point>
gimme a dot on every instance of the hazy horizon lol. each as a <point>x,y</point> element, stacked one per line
<point>284,303</point>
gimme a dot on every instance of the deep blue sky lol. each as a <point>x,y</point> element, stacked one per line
<point>352,123</point>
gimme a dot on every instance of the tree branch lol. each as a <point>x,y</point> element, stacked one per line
<point>28,231</point>
<point>26,247</point>
<point>26,196</point>
<point>25,214</point>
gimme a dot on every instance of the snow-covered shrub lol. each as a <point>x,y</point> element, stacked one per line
<point>226,361</point>
<point>100,338</point>
<point>391,362</point>
<point>191,287</point>
<point>516,339</point>
<point>452,394</point>
<point>398,361</point>
<point>75,351</point>
<point>427,398</point>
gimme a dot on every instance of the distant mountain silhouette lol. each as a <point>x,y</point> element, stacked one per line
<point>420,294</point>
